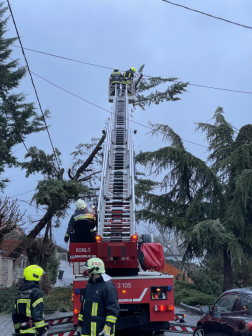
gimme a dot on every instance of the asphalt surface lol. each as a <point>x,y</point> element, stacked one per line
<point>6,326</point>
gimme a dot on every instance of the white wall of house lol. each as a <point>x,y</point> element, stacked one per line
<point>7,277</point>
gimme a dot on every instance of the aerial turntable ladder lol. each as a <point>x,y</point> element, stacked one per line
<point>116,206</point>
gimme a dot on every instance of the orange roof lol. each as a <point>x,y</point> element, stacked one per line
<point>170,270</point>
<point>9,245</point>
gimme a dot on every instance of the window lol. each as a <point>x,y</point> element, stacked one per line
<point>246,302</point>
<point>225,303</point>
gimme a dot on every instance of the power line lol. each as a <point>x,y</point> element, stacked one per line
<point>24,193</point>
<point>191,142</point>
<point>212,16</point>
<point>105,67</point>
<point>135,122</point>
<point>73,94</point>
<point>33,83</point>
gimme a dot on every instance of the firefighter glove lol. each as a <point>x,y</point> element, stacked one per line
<point>105,331</point>
<point>66,239</point>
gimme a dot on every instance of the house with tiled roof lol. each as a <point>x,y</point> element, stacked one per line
<point>11,271</point>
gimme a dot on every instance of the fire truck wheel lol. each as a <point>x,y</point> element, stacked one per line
<point>146,237</point>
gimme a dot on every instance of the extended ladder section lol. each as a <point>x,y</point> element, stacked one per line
<point>116,207</point>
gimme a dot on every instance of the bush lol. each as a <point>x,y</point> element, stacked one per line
<point>187,293</point>
<point>53,267</point>
<point>59,298</point>
<point>7,297</point>
<point>205,284</point>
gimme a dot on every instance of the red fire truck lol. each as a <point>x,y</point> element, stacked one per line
<point>145,297</point>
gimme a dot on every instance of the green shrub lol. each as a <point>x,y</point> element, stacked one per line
<point>204,284</point>
<point>187,293</point>
<point>7,297</point>
<point>53,267</point>
<point>59,298</point>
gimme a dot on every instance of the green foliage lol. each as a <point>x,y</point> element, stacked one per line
<point>209,205</point>
<point>7,297</point>
<point>204,284</point>
<point>157,97</point>
<point>57,194</point>
<point>187,293</point>
<point>53,267</point>
<point>17,118</point>
<point>41,162</point>
<point>59,298</point>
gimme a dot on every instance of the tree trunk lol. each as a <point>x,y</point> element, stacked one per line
<point>228,271</point>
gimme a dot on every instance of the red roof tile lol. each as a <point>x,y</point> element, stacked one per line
<point>170,270</point>
<point>9,245</point>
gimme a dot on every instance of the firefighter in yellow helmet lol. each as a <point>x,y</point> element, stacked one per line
<point>115,81</point>
<point>100,308</point>
<point>128,79</point>
<point>27,315</point>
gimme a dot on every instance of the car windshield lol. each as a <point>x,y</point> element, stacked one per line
<point>225,303</point>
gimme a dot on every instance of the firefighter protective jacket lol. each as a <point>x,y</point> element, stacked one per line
<point>127,75</point>
<point>28,314</point>
<point>100,307</point>
<point>80,215</point>
<point>115,77</point>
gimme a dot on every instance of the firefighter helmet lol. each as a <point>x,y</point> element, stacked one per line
<point>116,69</point>
<point>80,204</point>
<point>133,69</point>
<point>94,266</point>
<point>33,273</point>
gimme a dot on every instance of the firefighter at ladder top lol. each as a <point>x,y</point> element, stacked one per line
<point>115,80</point>
<point>28,313</point>
<point>128,79</point>
<point>100,308</point>
<point>82,224</point>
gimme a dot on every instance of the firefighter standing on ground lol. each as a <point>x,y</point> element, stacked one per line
<point>100,308</point>
<point>115,80</point>
<point>86,220</point>
<point>28,313</point>
<point>128,79</point>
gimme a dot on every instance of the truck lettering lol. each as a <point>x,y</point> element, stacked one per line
<point>83,249</point>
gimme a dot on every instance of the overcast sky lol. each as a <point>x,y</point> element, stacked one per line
<point>170,40</point>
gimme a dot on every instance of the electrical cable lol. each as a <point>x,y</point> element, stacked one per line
<point>212,16</point>
<point>135,122</point>
<point>101,66</point>
<point>24,193</point>
<point>33,83</point>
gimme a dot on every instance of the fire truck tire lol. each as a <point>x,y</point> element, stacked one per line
<point>146,237</point>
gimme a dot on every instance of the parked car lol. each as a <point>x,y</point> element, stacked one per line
<point>230,315</point>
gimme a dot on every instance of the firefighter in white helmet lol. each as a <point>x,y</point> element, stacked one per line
<point>82,224</point>
<point>100,308</point>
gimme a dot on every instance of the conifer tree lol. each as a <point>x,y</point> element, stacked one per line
<point>209,204</point>
<point>17,117</point>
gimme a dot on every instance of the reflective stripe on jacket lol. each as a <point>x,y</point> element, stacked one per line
<point>28,313</point>
<point>128,76</point>
<point>79,215</point>
<point>115,77</point>
<point>100,307</point>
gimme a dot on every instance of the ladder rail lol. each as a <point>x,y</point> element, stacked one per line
<point>116,206</point>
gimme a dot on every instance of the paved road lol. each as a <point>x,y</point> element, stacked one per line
<point>6,325</point>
